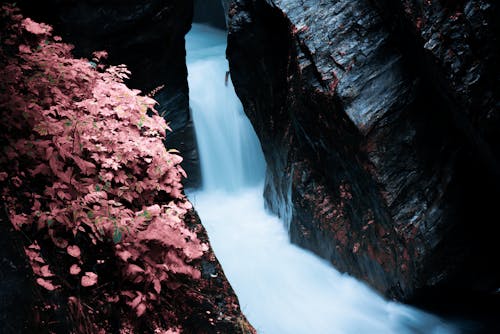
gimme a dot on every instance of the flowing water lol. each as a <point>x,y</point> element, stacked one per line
<point>282,289</point>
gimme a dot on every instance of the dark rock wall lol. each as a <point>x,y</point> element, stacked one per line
<point>455,45</point>
<point>146,36</point>
<point>17,294</point>
<point>369,159</point>
<point>210,12</point>
<point>226,4</point>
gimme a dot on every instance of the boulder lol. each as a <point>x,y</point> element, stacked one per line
<point>371,163</point>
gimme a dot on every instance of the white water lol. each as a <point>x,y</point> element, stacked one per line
<point>230,153</point>
<point>282,289</point>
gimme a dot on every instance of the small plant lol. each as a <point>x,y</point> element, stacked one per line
<point>84,169</point>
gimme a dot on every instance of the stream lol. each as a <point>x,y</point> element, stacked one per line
<point>282,288</point>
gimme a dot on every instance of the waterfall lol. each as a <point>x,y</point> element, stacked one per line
<point>230,153</point>
<point>282,289</point>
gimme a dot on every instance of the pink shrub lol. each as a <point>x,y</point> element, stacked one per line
<point>84,168</point>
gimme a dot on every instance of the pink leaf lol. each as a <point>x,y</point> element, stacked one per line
<point>157,285</point>
<point>36,28</point>
<point>19,220</point>
<point>89,279</point>
<point>141,309</point>
<point>86,167</point>
<point>40,169</point>
<point>100,55</point>
<point>45,271</point>
<point>137,300</point>
<point>74,269</point>
<point>154,210</point>
<point>46,284</point>
<point>24,48</point>
<point>134,269</point>
<point>124,255</point>
<point>74,251</point>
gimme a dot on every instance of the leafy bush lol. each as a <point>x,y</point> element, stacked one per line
<point>84,171</point>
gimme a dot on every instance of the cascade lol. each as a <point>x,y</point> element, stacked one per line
<point>282,288</point>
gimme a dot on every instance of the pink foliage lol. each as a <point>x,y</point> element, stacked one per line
<point>74,269</point>
<point>46,284</point>
<point>98,55</point>
<point>36,28</point>
<point>74,251</point>
<point>87,153</point>
<point>89,279</point>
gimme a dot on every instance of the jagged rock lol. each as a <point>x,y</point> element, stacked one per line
<point>146,36</point>
<point>367,161</point>
<point>455,45</point>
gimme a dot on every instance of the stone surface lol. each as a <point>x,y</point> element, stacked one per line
<point>210,12</point>
<point>455,44</point>
<point>16,283</point>
<point>369,161</point>
<point>146,36</point>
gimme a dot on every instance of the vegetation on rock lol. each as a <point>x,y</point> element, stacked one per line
<point>87,179</point>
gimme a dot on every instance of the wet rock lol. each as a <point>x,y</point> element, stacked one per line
<point>16,288</point>
<point>460,38</point>
<point>210,12</point>
<point>454,45</point>
<point>367,163</point>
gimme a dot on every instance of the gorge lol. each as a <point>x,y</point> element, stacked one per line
<point>372,135</point>
<point>282,289</point>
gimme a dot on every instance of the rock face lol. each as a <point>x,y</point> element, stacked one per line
<point>210,12</point>
<point>378,133</point>
<point>455,45</point>
<point>16,283</point>
<point>149,38</point>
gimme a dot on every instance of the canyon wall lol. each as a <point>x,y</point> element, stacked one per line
<point>210,12</point>
<point>378,123</point>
